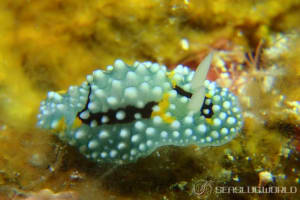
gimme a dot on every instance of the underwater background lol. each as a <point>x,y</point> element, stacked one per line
<point>50,45</point>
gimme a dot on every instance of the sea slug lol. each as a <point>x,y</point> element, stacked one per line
<point>125,112</point>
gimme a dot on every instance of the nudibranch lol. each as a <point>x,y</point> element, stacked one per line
<point>126,112</point>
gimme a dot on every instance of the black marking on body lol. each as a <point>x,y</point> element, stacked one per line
<point>129,111</point>
<point>182,92</point>
<point>87,102</point>
<point>209,107</point>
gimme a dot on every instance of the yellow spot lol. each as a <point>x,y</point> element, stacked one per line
<point>61,91</point>
<point>208,96</point>
<point>77,122</point>
<point>61,126</point>
<point>209,120</point>
<point>170,76</point>
<point>163,107</point>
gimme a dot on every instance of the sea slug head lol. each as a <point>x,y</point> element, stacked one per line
<point>213,110</point>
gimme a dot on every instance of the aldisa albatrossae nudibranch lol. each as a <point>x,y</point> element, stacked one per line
<point>126,112</point>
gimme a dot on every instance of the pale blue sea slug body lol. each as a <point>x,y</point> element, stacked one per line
<point>126,112</point>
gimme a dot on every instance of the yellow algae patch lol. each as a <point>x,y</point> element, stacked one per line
<point>19,100</point>
<point>2,76</point>
<point>25,156</point>
<point>163,107</point>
